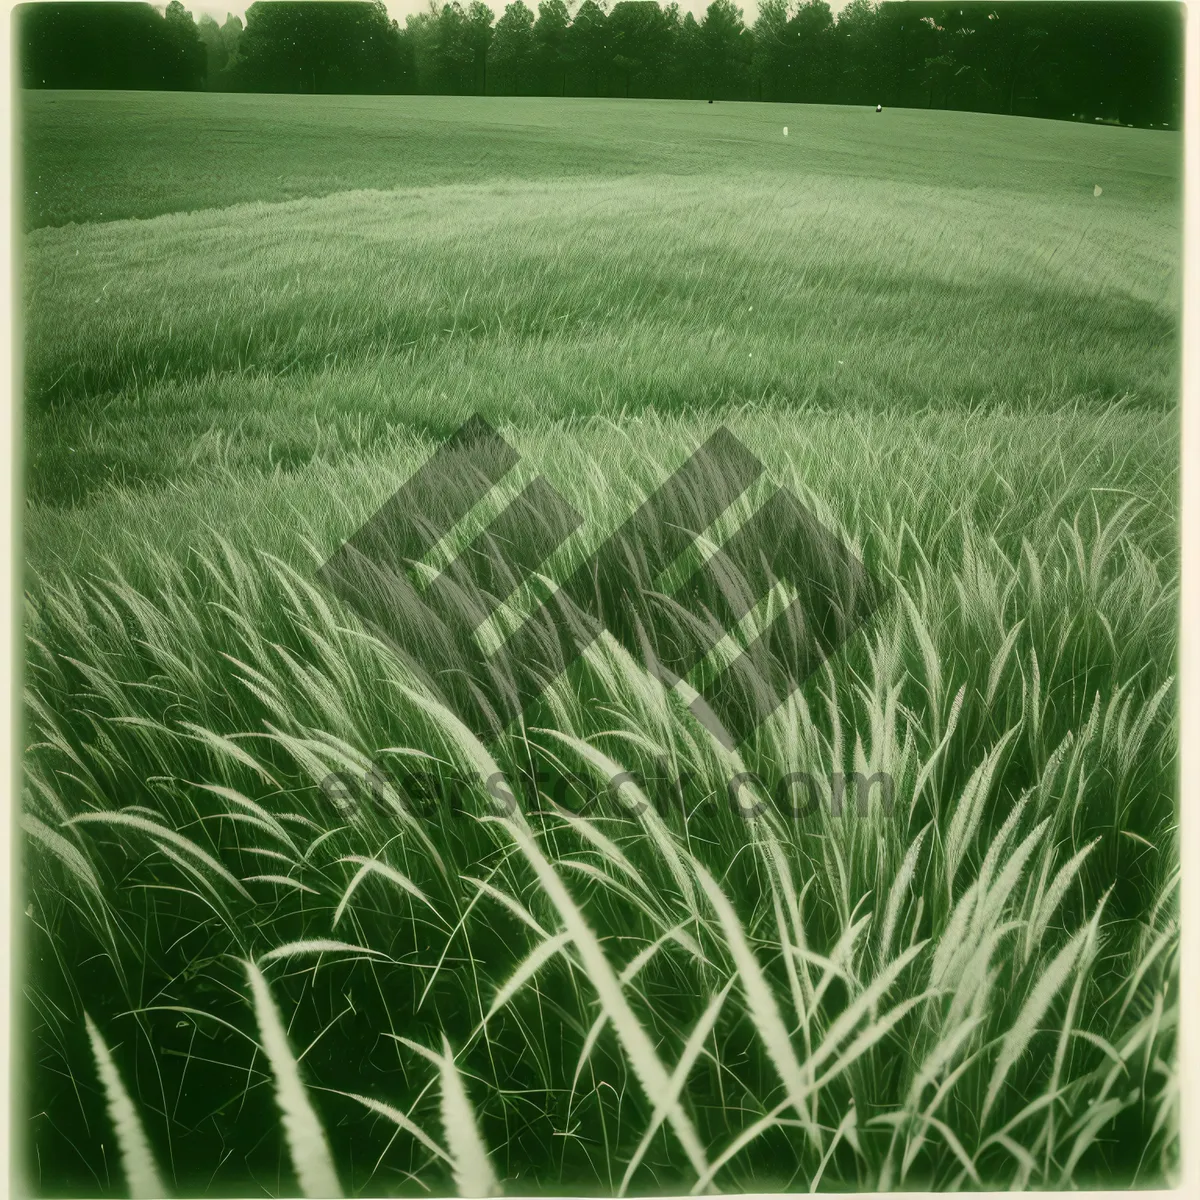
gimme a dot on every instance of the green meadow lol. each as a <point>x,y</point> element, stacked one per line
<point>534,258</point>
<point>249,319</point>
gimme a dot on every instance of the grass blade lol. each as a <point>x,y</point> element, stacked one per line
<point>473,1173</point>
<point>137,1159</point>
<point>302,1129</point>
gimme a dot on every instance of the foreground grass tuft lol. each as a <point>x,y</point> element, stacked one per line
<point>663,965</point>
<point>306,1141</point>
<point>137,1159</point>
<point>974,987</point>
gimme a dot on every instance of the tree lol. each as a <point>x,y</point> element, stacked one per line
<point>231,33</point>
<point>772,55</point>
<point>107,45</point>
<point>550,34</point>
<point>587,43</point>
<point>689,55</point>
<point>512,50</point>
<point>320,46</point>
<point>220,48</point>
<point>421,36</point>
<point>184,39</point>
<point>858,33</point>
<point>813,34</point>
<point>216,54</point>
<point>640,39</point>
<point>1083,59</point>
<point>1014,40</point>
<point>454,44</point>
<point>455,53</point>
<point>479,38</point>
<point>723,51</point>
<point>664,67</point>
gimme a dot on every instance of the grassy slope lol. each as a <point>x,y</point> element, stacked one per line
<point>109,155</point>
<point>271,370</point>
<point>862,261</point>
<point>1041,616</point>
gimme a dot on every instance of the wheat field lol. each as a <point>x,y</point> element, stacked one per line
<point>293,927</point>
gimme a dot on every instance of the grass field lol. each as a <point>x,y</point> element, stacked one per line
<point>249,319</point>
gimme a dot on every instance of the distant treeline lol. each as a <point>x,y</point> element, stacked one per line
<point>1108,60</point>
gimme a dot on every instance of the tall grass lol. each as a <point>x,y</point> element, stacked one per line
<point>975,989</point>
<point>473,1174</point>
<point>137,1159</point>
<point>600,949</point>
<point>272,335</point>
<point>279,148</point>
<point>301,1127</point>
